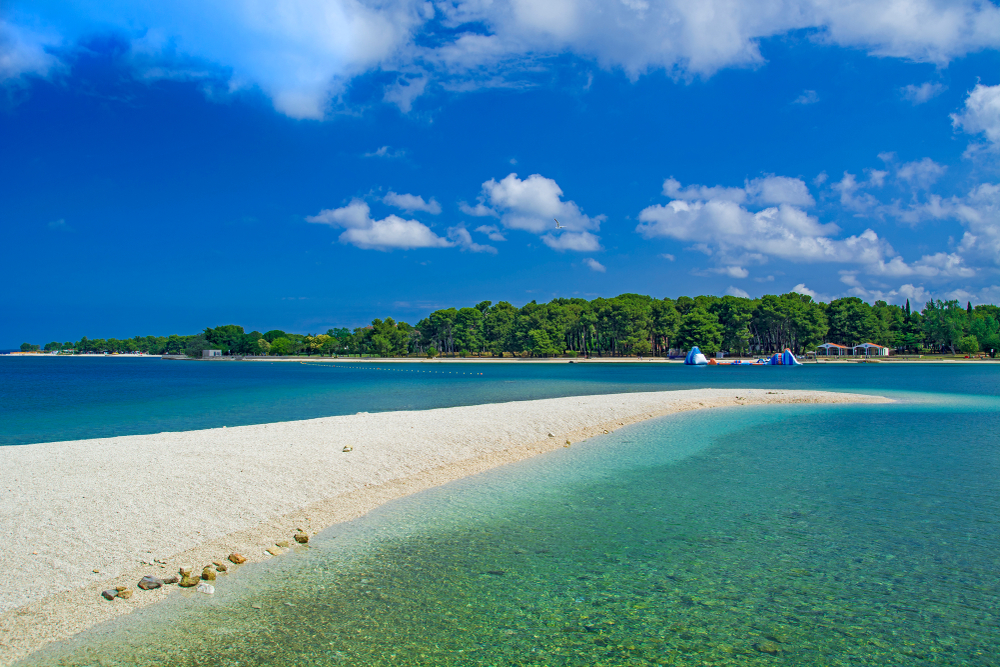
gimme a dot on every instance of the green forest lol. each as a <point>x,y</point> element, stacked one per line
<point>626,325</point>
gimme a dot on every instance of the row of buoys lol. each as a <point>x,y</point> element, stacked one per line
<point>393,370</point>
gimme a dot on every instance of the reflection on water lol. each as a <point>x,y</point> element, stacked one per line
<point>806,535</point>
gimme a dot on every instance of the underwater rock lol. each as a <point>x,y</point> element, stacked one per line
<point>237,559</point>
<point>207,589</point>
<point>109,594</point>
<point>768,647</point>
<point>148,583</point>
<point>220,566</point>
<point>208,574</point>
<point>301,537</point>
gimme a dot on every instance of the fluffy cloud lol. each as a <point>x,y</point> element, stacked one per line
<point>533,205</point>
<point>463,239</point>
<point>411,203</point>
<point>981,113</point>
<point>392,232</point>
<point>492,232</point>
<point>724,228</point>
<point>979,212</point>
<point>736,291</point>
<point>922,174</point>
<point>785,232</point>
<point>577,241</point>
<point>769,189</point>
<point>595,265</point>
<point>922,93</point>
<point>303,53</point>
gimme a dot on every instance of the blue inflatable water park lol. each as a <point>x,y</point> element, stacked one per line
<point>786,358</point>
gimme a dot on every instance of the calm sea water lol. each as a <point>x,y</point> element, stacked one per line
<point>806,535</point>
<point>50,399</point>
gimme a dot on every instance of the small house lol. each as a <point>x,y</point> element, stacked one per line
<point>205,354</point>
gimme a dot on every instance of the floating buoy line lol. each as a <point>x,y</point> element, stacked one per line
<point>388,370</point>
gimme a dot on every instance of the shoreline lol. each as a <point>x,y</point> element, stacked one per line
<point>498,360</point>
<point>88,515</point>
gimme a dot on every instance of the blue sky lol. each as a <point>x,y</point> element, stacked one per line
<point>314,164</point>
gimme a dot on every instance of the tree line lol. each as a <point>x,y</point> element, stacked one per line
<point>625,325</point>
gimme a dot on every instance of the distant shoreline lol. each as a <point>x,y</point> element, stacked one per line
<point>88,515</point>
<point>901,359</point>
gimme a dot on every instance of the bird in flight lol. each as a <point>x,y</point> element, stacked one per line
<point>558,226</point>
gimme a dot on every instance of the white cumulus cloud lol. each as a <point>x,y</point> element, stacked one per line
<point>595,265</point>
<point>411,203</point>
<point>391,232</point>
<point>534,204</point>
<point>303,53</point>
<point>463,239</point>
<point>981,113</point>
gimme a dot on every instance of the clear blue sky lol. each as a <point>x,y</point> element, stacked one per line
<point>302,165</point>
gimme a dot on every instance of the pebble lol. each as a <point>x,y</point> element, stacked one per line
<point>301,538</point>
<point>237,559</point>
<point>220,566</point>
<point>171,580</point>
<point>283,544</point>
<point>185,571</point>
<point>552,435</point>
<point>274,551</point>
<point>188,582</point>
<point>109,594</point>
<point>347,448</point>
<point>125,594</point>
<point>208,574</point>
<point>207,589</point>
<point>148,583</point>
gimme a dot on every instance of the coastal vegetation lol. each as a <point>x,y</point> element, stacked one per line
<point>625,325</point>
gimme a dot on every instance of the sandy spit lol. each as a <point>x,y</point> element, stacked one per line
<point>83,516</point>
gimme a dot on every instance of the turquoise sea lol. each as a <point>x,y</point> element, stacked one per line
<point>800,535</point>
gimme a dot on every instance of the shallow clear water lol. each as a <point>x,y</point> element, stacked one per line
<point>807,535</point>
<point>50,399</point>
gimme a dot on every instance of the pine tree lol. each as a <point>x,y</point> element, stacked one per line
<point>907,308</point>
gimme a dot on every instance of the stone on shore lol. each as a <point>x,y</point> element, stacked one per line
<point>237,559</point>
<point>149,582</point>
<point>109,594</point>
<point>125,594</point>
<point>173,579</point>
<point>208,574</point>
<point>188,582</point>
<point>220,566</point>
<point>301,538</point>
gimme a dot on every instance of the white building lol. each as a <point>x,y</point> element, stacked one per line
<point>871,350</point>
<point>211,353</point>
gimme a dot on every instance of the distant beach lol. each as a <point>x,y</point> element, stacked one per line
<point>89,515</point>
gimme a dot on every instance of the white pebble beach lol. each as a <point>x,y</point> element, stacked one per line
<point>79,517</point>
